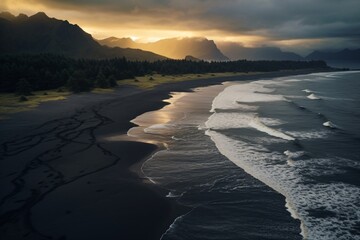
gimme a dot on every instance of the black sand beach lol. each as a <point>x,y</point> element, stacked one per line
<point>62,179</point>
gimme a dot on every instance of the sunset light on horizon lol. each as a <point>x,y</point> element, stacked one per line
<point>291,25</point>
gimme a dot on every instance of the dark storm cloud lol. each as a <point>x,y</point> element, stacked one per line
<point>289,19</point>
<point>272,19</point>
<point>275,18</point>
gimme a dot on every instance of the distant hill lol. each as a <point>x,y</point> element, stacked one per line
<point>176,48</point>
<point>41,34</point>
<point>344,55</point>
<point>191,58</point>
<point>345,58</point>
<point>235,52</point>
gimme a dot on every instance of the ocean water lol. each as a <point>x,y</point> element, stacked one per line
<point>267,159</point>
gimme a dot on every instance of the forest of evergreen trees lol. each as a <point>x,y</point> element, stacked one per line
<point>24,73</point>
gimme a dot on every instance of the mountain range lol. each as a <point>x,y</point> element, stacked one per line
<point>345,58</point>
<point>236,51</point>
<point>342,55</point>
<point>41,34</point>
<point>176,48</point>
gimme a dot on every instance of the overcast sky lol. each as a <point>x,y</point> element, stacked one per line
<point>300,25</point>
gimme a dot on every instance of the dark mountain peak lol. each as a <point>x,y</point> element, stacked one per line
<point>176,48</point>
<point>40,16</point>
<point>8,16</point>
<point>118,42</point>
<point>22,17</point>
<point>41,34</point>
<point>191,58</point>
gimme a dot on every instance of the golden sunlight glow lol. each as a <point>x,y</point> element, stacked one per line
<point>246,40</point>
<point>153,20</point>
<point>134,38</point>
<point>295,42</point>
<point>100,27</point>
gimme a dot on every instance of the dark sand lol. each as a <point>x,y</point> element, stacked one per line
<point>61,179</point>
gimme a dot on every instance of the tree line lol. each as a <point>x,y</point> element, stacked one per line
<point>23,73</point>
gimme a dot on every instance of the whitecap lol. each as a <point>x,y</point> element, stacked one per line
<point>257,124</point>
<point>174,195</point>
<point>313,97</point>
<point>329,124</point>
<point>293,155</point>
<point>290,154</point>
<point>311,134</point>
<point>301,196</point>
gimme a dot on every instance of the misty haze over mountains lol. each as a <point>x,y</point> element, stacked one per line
<point>236,51</point>
<point>343,58</point>
<point>41,34</point>
<point>176,48</point>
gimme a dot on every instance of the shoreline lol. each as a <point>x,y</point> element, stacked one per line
<point>129,154</point>
<point>12,105</point>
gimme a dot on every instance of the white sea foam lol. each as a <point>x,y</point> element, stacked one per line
<point>173,225</point>
<point>229,120</point>
<point>328,75</point>
<point>218,121</point>
<point>314,134</point>
<point>257,124</point>
<point>236,96</point>
<point>294,155</point>
<point>293,80</point>
<point>295,215</point>
<point>174,195</point>
<point>245,93</point>
<point>329,124</point>
<point>307,91</point>
<point>287,172</point>
<point>313,97</point>
<point>271,121</point>
<point>272,169</point>
<point>246,107</point>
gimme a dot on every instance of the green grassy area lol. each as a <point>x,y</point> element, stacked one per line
<point>11,103</point>
<point>150,81</point>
